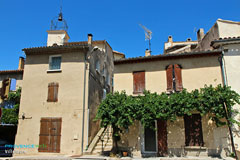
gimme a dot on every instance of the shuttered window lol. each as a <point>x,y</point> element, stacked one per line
<point>138,82</point>
<point>174,78</point>
<point>5,89</point>
<point>50,135</point>
<point>193,130</point>
<point>53,92</point>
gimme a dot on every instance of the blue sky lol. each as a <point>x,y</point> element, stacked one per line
<point>24,23</point>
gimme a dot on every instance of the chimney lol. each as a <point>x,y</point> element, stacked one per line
<point>170,39</point>
<point>200,34</point>
<point>21,63</point>
<point>147,52</point>
<point>90,39</point>
<point>58,37</point>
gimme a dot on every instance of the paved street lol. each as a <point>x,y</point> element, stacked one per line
<point>108,158</point>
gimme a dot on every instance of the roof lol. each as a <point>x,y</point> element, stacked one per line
<point>86,42</point>
<point>65,47</point>
<point>227,21</point>
<point>116,52</point>
<point>168,56</point>
<point>20,71</point>
<point>55,48</point>
<point>229,40</point>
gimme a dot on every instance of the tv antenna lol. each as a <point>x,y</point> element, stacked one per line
<point>58,23</point>
<point>148,35</point>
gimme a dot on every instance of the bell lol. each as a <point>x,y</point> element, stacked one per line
<point>60,17</point>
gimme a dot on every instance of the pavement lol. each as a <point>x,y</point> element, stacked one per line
<point>91,157</point>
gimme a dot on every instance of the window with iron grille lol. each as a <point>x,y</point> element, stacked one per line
<point>55,62</point>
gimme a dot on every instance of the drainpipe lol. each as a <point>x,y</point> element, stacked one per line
<point>87,126</point>
<point>86,59</point>
<point>221,60</point>
<point>84,90</point>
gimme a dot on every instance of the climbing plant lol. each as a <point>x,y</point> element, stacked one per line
<point>10,108</point>
<point>120,110</point>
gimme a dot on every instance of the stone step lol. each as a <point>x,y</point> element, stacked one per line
<point>106,141</point>
<point>104,147</point>
<point>104,144</point>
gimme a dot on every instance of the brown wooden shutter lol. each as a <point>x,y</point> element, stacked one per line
<point>138,82</point>
<point>178,77</point>
<point>55,99</point>
<point>56,134</point>
<point>5,88</point>
<point>44,138</point>
<point>169,72</point>
<point>53,92</point>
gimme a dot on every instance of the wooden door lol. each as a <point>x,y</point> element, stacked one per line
<point>162,137</point>
<point>193,130</point>
<point>50,135</point>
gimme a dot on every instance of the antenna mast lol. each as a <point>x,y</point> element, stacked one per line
<point>148,35</point>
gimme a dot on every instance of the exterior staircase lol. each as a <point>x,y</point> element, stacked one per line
<point>105,143</point>
<point>101,143</point>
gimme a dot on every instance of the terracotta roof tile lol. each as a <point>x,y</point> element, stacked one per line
<point>168,56</point>
<point>11,71</point>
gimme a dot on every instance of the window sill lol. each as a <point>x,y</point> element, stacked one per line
<point>54,71</point>
<point>137,93</point>
<point>195,147</point>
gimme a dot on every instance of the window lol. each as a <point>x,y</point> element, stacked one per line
<point>138,82</point>
<point>13,84</point>
<point>53,92</point>
<point>174,78</point>
<point>55,62</point>
<point>97,66</point>
<point>103,71</point>
<point>193,130</point>
<point>104,94</point>
<point>108,79</point>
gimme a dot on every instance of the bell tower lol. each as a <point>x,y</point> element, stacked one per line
<point>58,32</point>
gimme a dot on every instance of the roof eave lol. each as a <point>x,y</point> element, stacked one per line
<point>56,49</point>
<point>168,56</point>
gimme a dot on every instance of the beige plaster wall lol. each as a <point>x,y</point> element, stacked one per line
<point>194,73</point>
<point>231,60</point>
<point>228,29</point>
<point>69,106</point>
